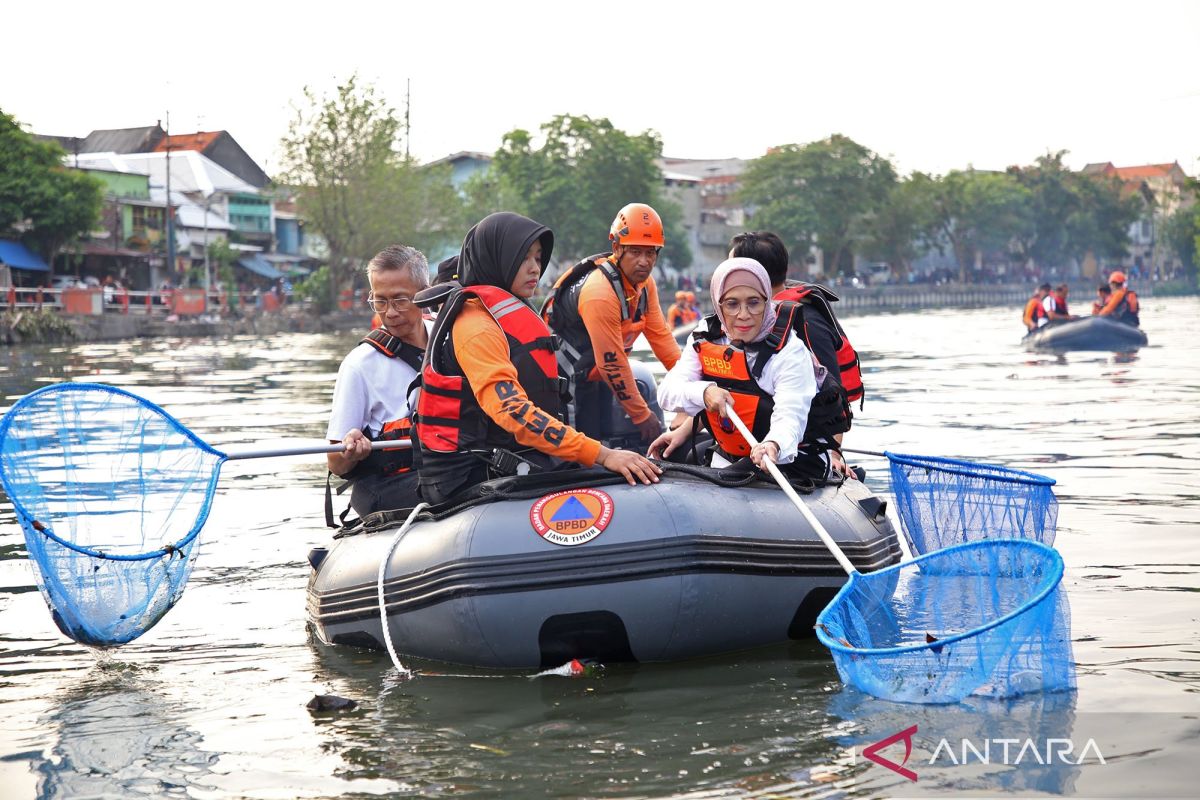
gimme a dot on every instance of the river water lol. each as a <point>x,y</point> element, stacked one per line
<point>211,702</point>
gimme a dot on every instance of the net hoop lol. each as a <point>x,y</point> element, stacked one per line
<point>971,469</point>
<point>1037,550</point>
<point>14,497</point>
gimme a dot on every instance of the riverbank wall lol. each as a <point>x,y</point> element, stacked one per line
<point>114,325</point>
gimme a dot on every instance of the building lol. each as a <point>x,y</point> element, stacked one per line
<point>718,214</point>
<point>219,147</point>
<point>463,165</point>
<point>1163,189</point>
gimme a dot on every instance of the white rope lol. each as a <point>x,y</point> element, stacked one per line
<point>383,565</point>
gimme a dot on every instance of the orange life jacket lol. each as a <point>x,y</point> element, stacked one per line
<point>1126,308</point>
<point>816,298</point>
<point>725,365</point>
<point>1034,311</point>
<point>451,426</point>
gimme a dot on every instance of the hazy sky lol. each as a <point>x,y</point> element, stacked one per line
<point>933,85</point>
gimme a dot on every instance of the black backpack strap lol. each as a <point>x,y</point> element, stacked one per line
<point>392,347</point>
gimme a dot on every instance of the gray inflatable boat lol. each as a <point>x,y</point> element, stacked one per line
<point>530,572</point>
<point>1086,333</point>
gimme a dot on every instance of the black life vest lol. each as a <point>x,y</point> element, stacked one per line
<point>561,313</point>
<point>814,298</point>
<point>829,413</point>
<point>452,429</point>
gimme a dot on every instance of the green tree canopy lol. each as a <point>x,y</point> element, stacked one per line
<point>905,225</point>
<point>824,193</point>
<point>355,186</point>
<point>583,173</point>
<point>42,201</point>
<point>980,212</point>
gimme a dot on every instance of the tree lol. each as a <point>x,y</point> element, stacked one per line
<point>980,212</point>
<point>1182,234</point>
<point>47,203</point>
<point>823,193</point>
<point>1101,220</point>
<point>575,182</point>
<point>354,185</point>
<point>905,223</point>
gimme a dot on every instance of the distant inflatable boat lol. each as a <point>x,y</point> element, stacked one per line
<point>1087,333</point>
<point>533,571</point>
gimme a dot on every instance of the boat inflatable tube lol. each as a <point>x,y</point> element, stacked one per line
<point>537,570</point>
<point>1087,333</point>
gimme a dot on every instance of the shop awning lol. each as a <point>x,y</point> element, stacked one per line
<point>16,255</point>
<point>259,266</point>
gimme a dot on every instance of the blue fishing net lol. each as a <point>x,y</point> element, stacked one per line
<point>945,501</point>
<point>111,492</point>
<point>983,618</point>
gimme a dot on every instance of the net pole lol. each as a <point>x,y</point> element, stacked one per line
<point>308,450</point>
<point>795,498</point>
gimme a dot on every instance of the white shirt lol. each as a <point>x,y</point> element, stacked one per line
<point>789,377</point>
<point>371,390</point>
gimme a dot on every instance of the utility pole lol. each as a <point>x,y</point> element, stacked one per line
<point>170,211</point>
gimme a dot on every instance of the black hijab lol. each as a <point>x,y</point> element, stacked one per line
<point>493,250</point>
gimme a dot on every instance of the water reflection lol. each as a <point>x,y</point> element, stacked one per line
<point>741,723</point>
<point>118,735</point>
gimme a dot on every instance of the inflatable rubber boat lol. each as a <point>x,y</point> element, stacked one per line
<point>1086,333</point>
<point>529,572</point>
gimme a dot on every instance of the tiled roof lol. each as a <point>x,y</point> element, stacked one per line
<point>1145,171</point>
<point>200,141</point>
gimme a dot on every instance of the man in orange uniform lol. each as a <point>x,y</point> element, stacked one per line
<point>598,309</point>
<point>490,402</point>
<point>1122,306</point>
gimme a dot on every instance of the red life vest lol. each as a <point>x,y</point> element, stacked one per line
<point>816,298</point>
<point>451,425</point>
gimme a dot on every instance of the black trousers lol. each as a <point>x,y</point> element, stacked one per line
<point>384,492</point>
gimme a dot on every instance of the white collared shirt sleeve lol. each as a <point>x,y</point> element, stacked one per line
<point>682,388</point>
<point>790,379</point>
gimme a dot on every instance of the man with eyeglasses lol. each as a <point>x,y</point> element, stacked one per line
<point>598,308</point>
<point>370,398</point>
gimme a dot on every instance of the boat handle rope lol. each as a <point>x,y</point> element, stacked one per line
<point>383,564</point>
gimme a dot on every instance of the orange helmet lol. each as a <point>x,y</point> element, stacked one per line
<point>637,224</point>
<point>1117,277</point>
<point>680,297</point>
<point>690,297</point>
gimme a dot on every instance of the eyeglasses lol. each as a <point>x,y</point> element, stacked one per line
<point>380,304</point>
<point>754,306</point>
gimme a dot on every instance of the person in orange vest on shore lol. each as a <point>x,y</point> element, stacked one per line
<point>1103,292</point>
<point>1035,315</point>
<point>678,311</point>
<point>693,307</point>
<point>1122,306</point>
<point>598,308</point>
<point>1056,305</point>
<point>815,324</point>
<point>490,401</point>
